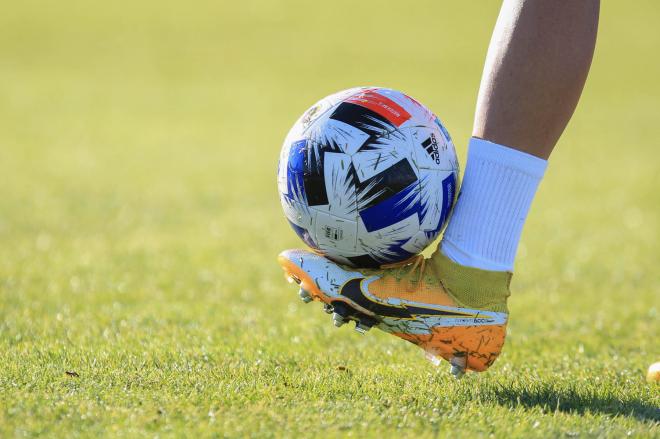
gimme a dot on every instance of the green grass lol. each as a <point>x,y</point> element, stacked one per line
<point>139,224</point>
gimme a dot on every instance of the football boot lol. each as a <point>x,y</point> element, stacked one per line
<point>452,312</point>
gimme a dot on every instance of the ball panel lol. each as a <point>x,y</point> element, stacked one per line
<point>431,194</point>
<point>335,234</point>
<point>384,185</point>
<point>346,138</point>
<point>392,209</point>
<point>438,195</point>
<point>443,130</point>
<point>419,113</point>
<point>301,218</point>
<point>430,149</point>
<point>314,172</point>
<point>375,100</point>
<point>363,119</point>
<point>304,235</point>
<point>282,169</point>
<point>292,176</point>
<point>298,213</point>
<point>380,154</point>
<point>340,186</point>
<point>385,245</point>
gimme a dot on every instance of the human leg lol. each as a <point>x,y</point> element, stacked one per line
<point>537,63</point>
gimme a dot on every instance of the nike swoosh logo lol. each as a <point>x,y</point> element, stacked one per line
<point>353,290</point>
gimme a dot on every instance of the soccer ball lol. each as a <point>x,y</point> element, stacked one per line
<point>368,176</point>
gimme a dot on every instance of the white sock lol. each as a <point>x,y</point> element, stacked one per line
<point>497,191</point>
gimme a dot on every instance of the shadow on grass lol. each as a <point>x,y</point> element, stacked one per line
<point>551,399</point>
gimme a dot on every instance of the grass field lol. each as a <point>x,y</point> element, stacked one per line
<point>139,223</point>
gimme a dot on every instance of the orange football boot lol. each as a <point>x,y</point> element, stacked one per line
<point>453,312</point>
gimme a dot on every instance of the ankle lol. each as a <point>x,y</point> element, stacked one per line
<point>471,287</point>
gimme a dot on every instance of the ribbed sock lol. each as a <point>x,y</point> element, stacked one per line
<point>496,194</point>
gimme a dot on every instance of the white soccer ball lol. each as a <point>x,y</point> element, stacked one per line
<point>368,176</point>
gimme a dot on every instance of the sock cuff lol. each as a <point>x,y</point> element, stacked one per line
<point>472,287</point>
<point>473,259</point>
<point>512,158</point>
<point>498,187</point>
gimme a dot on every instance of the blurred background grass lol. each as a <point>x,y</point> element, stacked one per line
<point>139,217</point>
